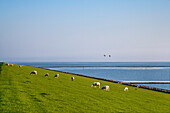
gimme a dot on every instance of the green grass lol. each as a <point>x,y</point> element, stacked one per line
<point>22,92</point>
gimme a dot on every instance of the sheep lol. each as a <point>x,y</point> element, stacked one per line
<point>125,89</point>
<point>105,88</point>
<point>7,64</point>
<point>20,66</point>
<point>46,75</point>
<point>138,86</point>
<point>72,78</point>
<point>119,82</point>
<point>96,84</point>
<point>56,76</point>
<point>34,72</point>
<point>11,65</point>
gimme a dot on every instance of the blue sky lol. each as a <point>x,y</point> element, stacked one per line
<point>85,30</point>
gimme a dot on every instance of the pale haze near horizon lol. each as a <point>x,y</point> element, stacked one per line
<point>85,30</point>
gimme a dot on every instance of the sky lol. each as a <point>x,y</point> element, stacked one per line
<point>84,30</point>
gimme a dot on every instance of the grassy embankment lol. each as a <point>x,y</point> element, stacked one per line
<point>22,92</point>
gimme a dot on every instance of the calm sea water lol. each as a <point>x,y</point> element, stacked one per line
<point>121,71</point>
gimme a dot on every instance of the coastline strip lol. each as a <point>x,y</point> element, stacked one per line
<point>147,82</point>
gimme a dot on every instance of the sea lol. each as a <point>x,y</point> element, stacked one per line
<point>119,71</point>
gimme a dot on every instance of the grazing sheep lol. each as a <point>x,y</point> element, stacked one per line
<point>119,82</point>
<point>20,66</point>
<point>46,75</point>
<point>7,64</point>
<point>106,88</point>
<point>125,89</point>
<point>138,86</point>
<point>34,72</point>
<point>56,76</point>
<point>96,84</point>
<point>11,65</point>
<point>72,78</point>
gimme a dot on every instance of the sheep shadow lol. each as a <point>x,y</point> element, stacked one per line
<point>44,94</point>
<point>27,82</point>
<point>35,98</point>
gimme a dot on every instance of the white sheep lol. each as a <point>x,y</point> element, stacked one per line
<point>125,89</point>
<point>11,64</point>
<point>72,78</point>
<point>46,75</point>
<point>20,66</point>
<point>7,64</point>
<point>34,72</point>
<point>56,76</point>
<point>96,84</point>
<point>106,88</point>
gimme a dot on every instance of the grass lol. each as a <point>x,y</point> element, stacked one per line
<point>22,92</point>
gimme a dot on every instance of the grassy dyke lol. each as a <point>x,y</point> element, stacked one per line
<point>22,92</point>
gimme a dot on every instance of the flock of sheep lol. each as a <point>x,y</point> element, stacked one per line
<point>10,65</point>
<point>46,75</point>
<point>13,65</point>
<point>107,88</point>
